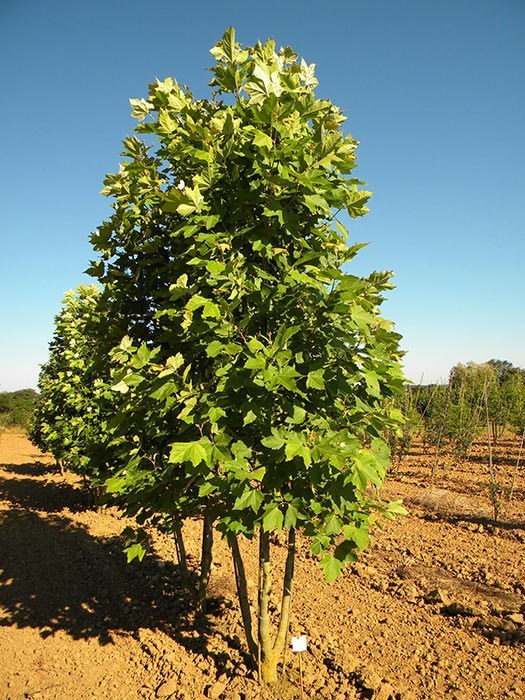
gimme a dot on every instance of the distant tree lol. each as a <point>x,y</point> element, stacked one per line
<point>16,407</point>
<point>67,409</point>
<point>504,370</point>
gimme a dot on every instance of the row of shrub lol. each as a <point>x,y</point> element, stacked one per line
<point>483,399</point>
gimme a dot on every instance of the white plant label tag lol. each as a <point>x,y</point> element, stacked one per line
<point>299,643</point>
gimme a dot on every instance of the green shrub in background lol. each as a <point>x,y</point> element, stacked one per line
<point>17,407</point>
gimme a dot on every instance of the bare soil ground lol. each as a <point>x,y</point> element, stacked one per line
<point>434,609</point>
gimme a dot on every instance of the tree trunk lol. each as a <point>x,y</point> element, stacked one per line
<point>181,556</point>
<point>242,593</point>
<point>271,654</point>
<point>206,559</point>
<point>265,653</point>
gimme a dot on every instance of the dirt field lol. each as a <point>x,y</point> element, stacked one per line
<point>434,609</point>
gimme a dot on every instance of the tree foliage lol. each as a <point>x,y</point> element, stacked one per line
<point>66,417</point>
<point>253,366</point>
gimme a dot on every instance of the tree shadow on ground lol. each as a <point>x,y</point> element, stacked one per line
<point>31,468</point>
<point>498,460</point>
<point>55,575</point>
<point>47,496</point>
<point>487,522</point>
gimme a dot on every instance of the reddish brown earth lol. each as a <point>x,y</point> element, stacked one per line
<point>434,609</point>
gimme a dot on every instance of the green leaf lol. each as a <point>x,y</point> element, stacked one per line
<point>214,348</point>
<point>286,377</point>
<point>258,474</point>
<point>176,100</point>
<point>228,44</point>
<point>189,405</point>
<point>196,453</point>
<point>186,209</point>
<point>195,302</point>
<point>255,362</point>
<point>133,379</point>
<point>307,74</point>
<point>292,448</point>
<point>175,361</point>
<point>262,139</point>
<point>163,387</point>
<point>396,508</point>
<point>317,204</point>
<point>142,357</point>
<point>273,518</point>
<point>241,450</point>
<point>331,567</point>
<point>299,414</point>
<point>211,310</point>
<point>366,466</point>
<point>206,489</point>
<point>292,514</point>
<point>284,335</point>
<point>166,123</point>
<point>315,379</point>
<point>135,550</point>
<point>140,108</point>
<point>273,442</point>
<point>115,484</point>
<point>249,417</point>
<point>215,413</point>
<point>215,267</point>
<point>251,498</point>
<point>121,387</point>
<point>361,317</point>
<point>359,535</point>
<point>345,552</point>
<point>333,524</point>
<point>178,452</point>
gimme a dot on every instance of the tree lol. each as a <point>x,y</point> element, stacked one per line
<point>17,407</point>
<point>503,369</point>
<point>67,411</point>
<point>254,368</point>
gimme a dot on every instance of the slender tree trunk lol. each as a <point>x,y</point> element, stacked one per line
<point>181,556</point>
<point>511,492</point>
<point>206,559</point>
<point>441,431</point>
<point>494,496</point>
<point>286,600</point>
<point>97,496</point>
<point>265,654</point>
<point>266,660</point>
<point>242,593</point>
<point>197,593</point>
<point>271,654</point>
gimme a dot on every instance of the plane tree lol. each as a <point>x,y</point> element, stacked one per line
<point>251,365</point>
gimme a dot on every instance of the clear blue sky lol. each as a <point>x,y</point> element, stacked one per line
<point>433,90</point>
